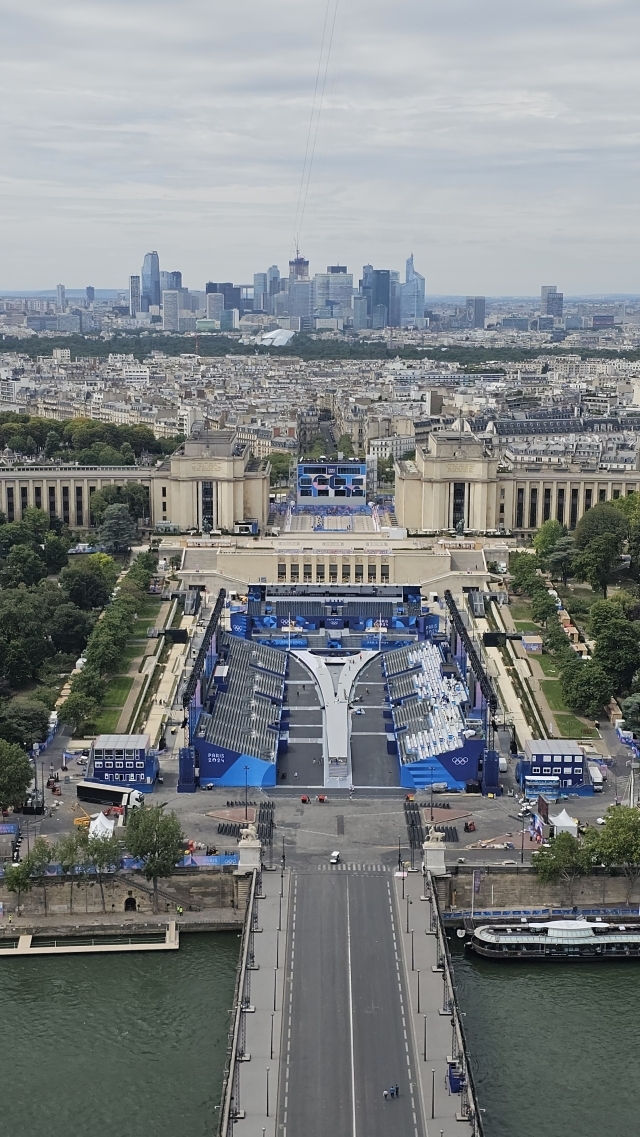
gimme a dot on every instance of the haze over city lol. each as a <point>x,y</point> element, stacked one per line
<point>496,143</point>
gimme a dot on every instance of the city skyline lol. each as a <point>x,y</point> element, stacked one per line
<point>500,147</point>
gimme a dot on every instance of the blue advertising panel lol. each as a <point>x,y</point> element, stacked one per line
<point>332,480</point>
<point>334,622</point>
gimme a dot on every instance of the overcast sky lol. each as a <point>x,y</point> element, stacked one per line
<point>497,140</point>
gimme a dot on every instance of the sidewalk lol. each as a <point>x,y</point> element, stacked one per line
<point>260,1070</point>
<point>431,1072</point>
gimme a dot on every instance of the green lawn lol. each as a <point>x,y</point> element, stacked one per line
<point>133,650</point>
<point>527,626</point>
<point>549,665</point>
<point>107,721</point>
<point>553,694</point>
<point>117,690</point>
<point>571,727</point>
<point>520,610</point>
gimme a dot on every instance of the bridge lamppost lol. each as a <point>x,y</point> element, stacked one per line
<point>268,1092</point>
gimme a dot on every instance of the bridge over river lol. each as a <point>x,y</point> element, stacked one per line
<point>347,992</point>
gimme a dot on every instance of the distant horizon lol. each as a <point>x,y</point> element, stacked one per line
<point>433,297</point>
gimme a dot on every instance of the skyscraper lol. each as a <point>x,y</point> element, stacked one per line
<point>376,286</point>
<point>260,291</point>
<point>551,301</point>
<point>151,279</point>
<point>231,293</point>
<point>476,311</point>
<point>134,295</point>
<point>171,311</point>
<point>360,316</point>
<point>411,296</point>
<point>215,306</point>
<point>90,294</point>
<point>298,268</point>
<point>61,298</point>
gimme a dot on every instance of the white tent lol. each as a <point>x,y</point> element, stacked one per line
<point>101,826</point>
<point>563,823</point>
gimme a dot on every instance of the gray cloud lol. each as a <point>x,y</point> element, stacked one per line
<point>497,141</point>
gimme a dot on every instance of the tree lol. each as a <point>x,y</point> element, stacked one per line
<point>156,839</point>
<point>542,606</point>
<point>617,843</point>
<point>78,708</point>
<point>25,721</point>
<point>70,628</point>
<point>16,775</point>
<point>37,522</point>
<point>89,682</point>
<point>70,851</point>
<point>103,854</point>
<point>133,495</point>
<point>89,581</point>
<point>17,877</point>
<point>280,462</point>
<point>586,687</point>
<point>596,562</point>
<point>523,570</point>
<point>345,446</point>
<point>40,859</point>
<point>55,553</point>
<point>566,859</point>
<point>52,444</point>
<point>631,710</point>
<point>618,652</point>
<point>602,520</point>
<point>602,612</point>
<point>560,559</point>
<point>118,530</point>
<point>546,539</point>
<point>22,566</point>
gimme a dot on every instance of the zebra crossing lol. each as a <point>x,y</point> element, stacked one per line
<point>351,867</point>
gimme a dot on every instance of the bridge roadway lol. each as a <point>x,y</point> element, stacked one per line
<point>347,1023</point>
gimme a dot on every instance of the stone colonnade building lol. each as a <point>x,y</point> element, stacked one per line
<point>211,479</point>
<point>455,479</point>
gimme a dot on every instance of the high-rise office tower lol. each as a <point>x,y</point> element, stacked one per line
<point>411,295</point>
<point>376,286</point>
<point>171,311</point>
<point>151,279</point>
<point>360,314</point>
<point>134,295</point>
<point>551,301</point>
<point>215,306</point>
<point>232,293</point>
<point>476,311</point>
<point>333,290</point>
<point>169,281</point>
<point>298,268</point>
<point>90,294</point>
<point>301,298</point>
<point>61,298</point>
<point>260,291</point>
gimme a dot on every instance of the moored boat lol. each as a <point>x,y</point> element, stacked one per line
<point>557,941</point>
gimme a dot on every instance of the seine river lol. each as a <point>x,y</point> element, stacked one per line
<point>554,1048</point>
<point>117,1045</point>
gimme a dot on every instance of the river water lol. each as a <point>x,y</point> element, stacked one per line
<point>554,1048</point>
<point>117,1045</point>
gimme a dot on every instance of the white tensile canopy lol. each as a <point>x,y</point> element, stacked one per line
<point>101,826</point>
<point>563,823</point>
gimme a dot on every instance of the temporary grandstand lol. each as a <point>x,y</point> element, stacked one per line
<point>438,732</point>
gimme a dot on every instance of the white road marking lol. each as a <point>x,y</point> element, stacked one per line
<point>353,1066</point>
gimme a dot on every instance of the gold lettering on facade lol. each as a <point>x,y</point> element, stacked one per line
<point>461,467</point>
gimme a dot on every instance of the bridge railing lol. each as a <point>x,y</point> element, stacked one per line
<point>230,1105</point>
<point>469,1108</point>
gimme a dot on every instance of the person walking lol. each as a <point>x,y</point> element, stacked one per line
<point>397,1090</point>
<point>385,1094</point>
<point>391,1091</point>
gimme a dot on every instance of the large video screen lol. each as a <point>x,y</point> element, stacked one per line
<point>330,480</point>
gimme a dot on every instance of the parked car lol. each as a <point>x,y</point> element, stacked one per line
<point>334,859</point>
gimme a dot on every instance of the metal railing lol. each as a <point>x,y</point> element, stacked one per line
<point>230,1104</point>
<point>469,1108</point>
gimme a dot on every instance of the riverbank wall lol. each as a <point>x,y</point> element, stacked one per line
<point>497,886</point>
<point>125,894</point>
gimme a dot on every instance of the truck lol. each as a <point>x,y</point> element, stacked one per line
<point>102,794</point>
<point>596,777</point>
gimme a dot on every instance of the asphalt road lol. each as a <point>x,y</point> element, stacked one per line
<point>349,1038</point>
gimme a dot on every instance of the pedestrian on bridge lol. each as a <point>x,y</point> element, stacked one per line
<point>397,1090</point>
<point>385,1094</point>
<point>392,1091</point>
